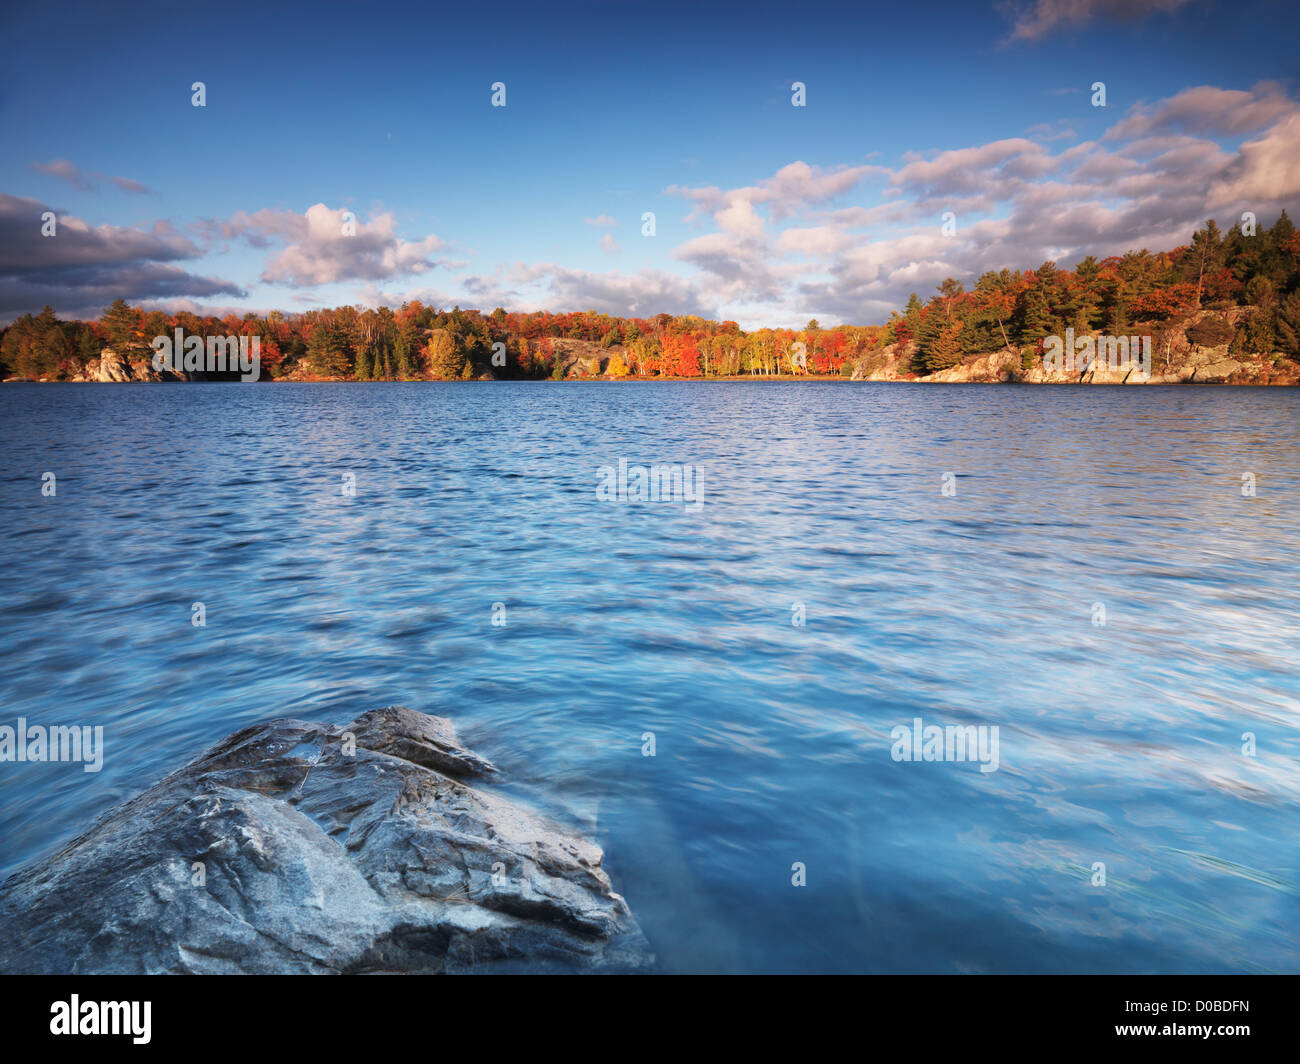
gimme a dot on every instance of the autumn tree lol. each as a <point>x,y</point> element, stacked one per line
<point>942,348</point>
<point>444,360</point>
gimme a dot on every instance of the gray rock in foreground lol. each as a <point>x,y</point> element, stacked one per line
<point>319,859</point>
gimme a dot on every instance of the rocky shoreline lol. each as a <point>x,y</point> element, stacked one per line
<point>1199,366</point>
<point>1176,359</point>
<point>293,847</point>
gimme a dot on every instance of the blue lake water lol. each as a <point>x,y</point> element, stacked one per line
<point>1119,743</point>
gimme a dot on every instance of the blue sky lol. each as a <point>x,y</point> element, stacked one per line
<point>765,213</point>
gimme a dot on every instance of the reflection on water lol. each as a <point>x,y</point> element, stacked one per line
<point>1119,744</point>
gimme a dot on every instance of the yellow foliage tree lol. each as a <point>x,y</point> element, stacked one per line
<point>445,362</point>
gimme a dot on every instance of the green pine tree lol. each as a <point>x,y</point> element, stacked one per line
<point>1035,316</point>
<point>119,323</point>
<point>1287,325</point>
<point>401,357</point>
<point>1259,329</point>
<point>327,350</point>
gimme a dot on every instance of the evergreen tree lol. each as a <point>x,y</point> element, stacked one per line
<point>87,345</point>
<point>1287,325</point>
<point>402,364</point>
<point>912,313</point>
<point>1258,338</point>
<point>945,349</point>
<point>1207,256</point>
<point>119,323</point>
<point>1034,316</point>
<point>327,349</point>
<point>1282,231</point>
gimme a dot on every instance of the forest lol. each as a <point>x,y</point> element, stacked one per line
<point>1004,309</point>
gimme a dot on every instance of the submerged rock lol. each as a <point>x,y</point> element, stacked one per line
<point>298,847</point>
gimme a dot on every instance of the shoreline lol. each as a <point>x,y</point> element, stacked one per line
<point>782,379</point>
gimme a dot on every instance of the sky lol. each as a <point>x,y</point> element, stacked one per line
<point>351,153</point>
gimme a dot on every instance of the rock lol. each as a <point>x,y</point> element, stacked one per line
<point>1217,371</point>
<point>995,366</point>
<point>90,372</point>
<point>113,368</point>
<point>305,848</point>
<point>1036,374</point>
<point>888,363</point>
<point>1102,374</point>
<point>582,358</point>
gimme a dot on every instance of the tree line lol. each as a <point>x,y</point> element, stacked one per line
<point>1004,309</point>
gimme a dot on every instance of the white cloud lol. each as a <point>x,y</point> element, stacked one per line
<point>639,294</point>
<point>819,240</point>
<point>1046,16</point>
<point>325,245</point>
<point>1207,111</point>
<point>1265,170</point>
<point>794,246</point>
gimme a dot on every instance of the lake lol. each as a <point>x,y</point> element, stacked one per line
<point>1106,576</point>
